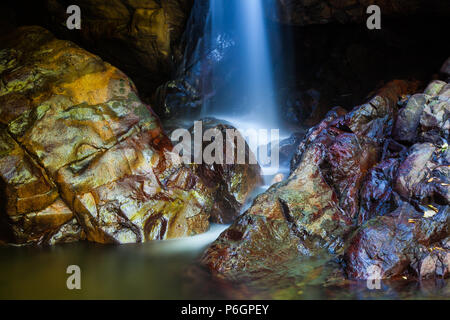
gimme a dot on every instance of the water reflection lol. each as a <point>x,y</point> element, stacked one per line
<point>169,270</point>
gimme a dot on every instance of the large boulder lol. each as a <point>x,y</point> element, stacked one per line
<point>76,141</point>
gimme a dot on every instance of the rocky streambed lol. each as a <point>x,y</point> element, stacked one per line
<point>84,159</point>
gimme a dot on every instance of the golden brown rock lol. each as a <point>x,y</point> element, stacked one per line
<point>140,36</point>
<point>84,130</point>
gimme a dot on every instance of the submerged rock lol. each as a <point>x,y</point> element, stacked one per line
<point>83,145</point>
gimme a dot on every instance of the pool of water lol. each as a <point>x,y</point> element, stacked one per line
<point>170,270</point>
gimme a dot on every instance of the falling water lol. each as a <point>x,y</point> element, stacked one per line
<point>247,99</point>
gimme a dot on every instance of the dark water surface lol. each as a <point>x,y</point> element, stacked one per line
<point>168,270</point>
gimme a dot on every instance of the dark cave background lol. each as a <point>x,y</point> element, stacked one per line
<point>317,66</point>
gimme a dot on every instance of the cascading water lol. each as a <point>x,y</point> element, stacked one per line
<point>239,86</point>
<point>227,73</point>
<point>248,94</point>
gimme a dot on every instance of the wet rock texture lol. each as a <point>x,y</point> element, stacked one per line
<point>81,156</point>
<point>371,185</point>
<point>230,182</point>
<point>139,36</point>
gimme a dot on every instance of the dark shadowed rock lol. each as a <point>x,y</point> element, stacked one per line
<point>305,12</point>
<point>377,196</point>
<point>408,119</point>
<point>398,243</point>
<point>139,36</point>
<point>445,70</point>
<point>230,183</point>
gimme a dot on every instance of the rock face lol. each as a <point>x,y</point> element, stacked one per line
<point>306,12</point>
<point>140,37</point>
<point>350,174</point>
<point>230,185</point>
<point>81,156</point>
<point>406,211</point>
<point>356,61</point>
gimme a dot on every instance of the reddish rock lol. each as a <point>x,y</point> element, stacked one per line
<point>398,243</point>
<point>315,208</point>
<point>376,195</point>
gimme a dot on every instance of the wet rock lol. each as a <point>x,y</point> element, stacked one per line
<point>413,170</point>
<point>266,241</point>
<point>374,120</point>
<point>434,88</point>
<point>30,201</point>
<point>289,146</point>
<point>140,37</point>
<point>435,118</point>
<point>445,70</point>
<point>86,138</point>
<point>398,243</point>
<point>407,197</point>
<point>434,263</point>
<point>408,119</point>
<point>377,195</point>
<point>230,185</point>
<point>52,225</point>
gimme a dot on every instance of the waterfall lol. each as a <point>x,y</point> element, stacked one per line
<point>242,81</point>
